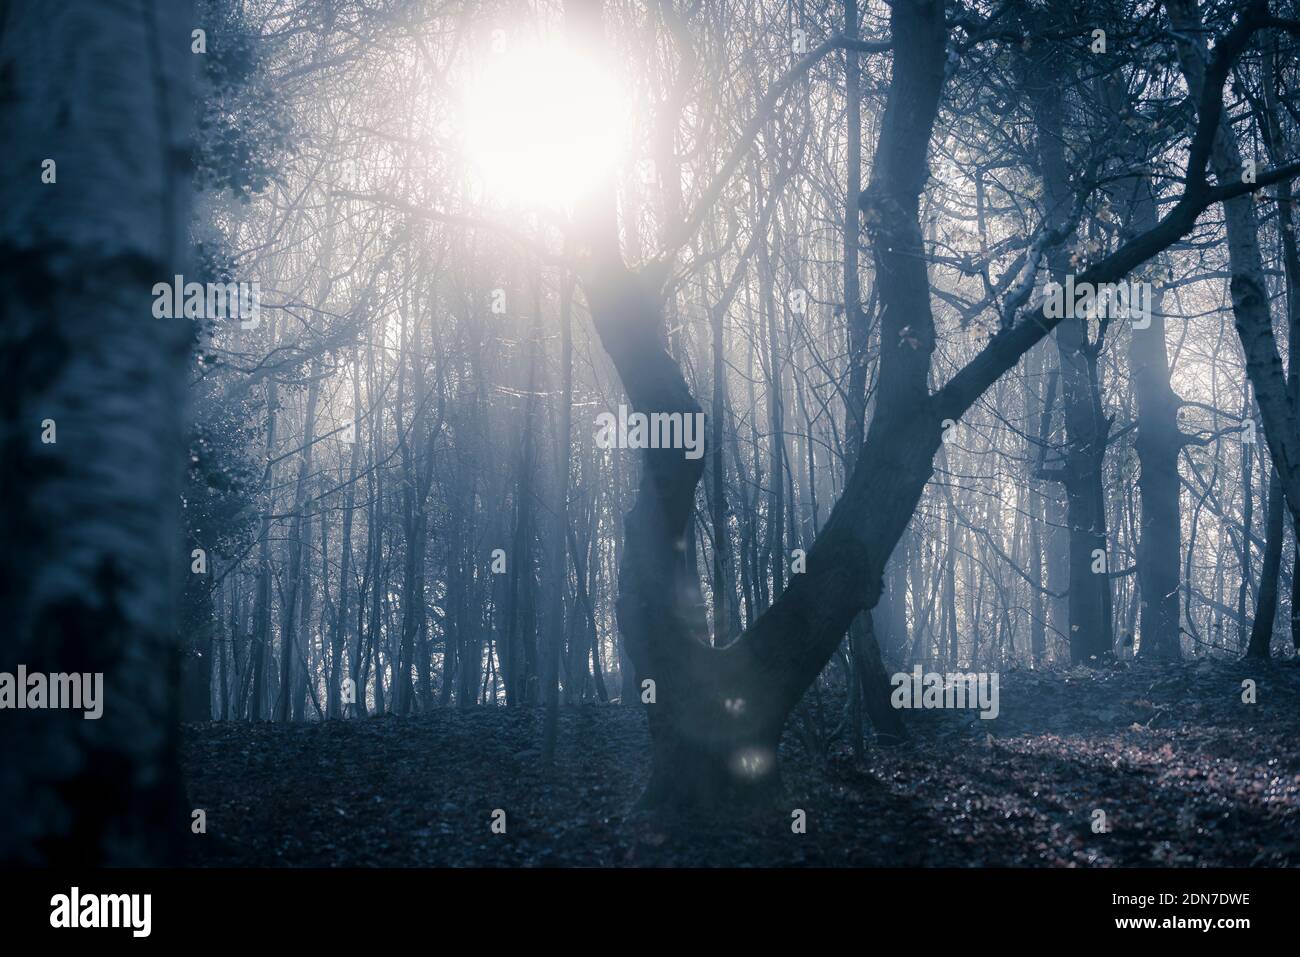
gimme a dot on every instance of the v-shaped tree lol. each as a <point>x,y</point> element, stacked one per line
<point>718,713</point>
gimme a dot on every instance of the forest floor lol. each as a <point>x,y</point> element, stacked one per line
<point>1185,772</point>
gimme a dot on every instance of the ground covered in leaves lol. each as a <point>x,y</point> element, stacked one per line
<point>1185,772</point>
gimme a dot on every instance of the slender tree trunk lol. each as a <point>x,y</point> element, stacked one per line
<point>1261,629</point>
<point>1159,440</point>
<point>1265,607</point>
<point>559,577</point>
<point>289,650</point>
<point>1086,425</point>
<point>1250,303</point>
<point>262,600</point>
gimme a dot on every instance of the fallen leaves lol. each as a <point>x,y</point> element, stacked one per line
<point>1213,781</point>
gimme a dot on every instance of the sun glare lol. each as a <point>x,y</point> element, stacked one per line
<point>541,123</point>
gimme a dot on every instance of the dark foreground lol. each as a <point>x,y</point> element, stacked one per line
<point>1186,774</point>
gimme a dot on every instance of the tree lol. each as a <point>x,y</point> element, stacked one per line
<point>719,712</point>
<point>90,543</point>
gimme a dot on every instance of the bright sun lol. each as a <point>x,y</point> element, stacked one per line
<point>541,123</point>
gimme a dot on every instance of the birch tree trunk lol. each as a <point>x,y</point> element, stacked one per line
<point>1250,303</point>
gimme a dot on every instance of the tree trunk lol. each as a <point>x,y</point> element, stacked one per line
<point>1250,304</point>
<point>717,714</point>
<point>289,650</point>
<point>1266,606</point>
<point>1086,425</point>
<point>90,539</point>
<point>1261,629</point>
<point>1159,440</point>
<point>559,572</point>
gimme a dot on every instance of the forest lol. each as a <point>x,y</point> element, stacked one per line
<point>650,432</point>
